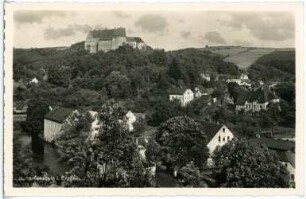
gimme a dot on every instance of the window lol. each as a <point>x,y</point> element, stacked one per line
<point>223,139</point>
<point>219,138</point>
<point>228,138</point>
<point>223,130</point>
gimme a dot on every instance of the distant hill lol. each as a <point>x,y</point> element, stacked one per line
<point>243,57</point>
<point>277,65</point>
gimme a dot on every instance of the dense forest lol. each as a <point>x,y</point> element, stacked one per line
<point>123,74</point>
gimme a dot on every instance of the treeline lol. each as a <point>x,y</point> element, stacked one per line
<point>275,66</point>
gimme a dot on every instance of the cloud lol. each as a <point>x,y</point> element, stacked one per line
<point>152,23</point>
<point>214,37</point>
<point>53,34</point>
<point>120,14</point>
<point>264,26</point>
<point>36,16</point>
<point>185,35</point>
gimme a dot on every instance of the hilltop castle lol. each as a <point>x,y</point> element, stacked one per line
<point>110,39</point>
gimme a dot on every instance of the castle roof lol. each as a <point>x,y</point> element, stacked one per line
<point>210,129</point>
<point>107,34</point>
<point>59,115</point>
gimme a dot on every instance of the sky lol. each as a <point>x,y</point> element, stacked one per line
<point>168,30</point>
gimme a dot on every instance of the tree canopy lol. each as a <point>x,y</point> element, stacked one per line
<point>244,165</point>
<point>182,141</point>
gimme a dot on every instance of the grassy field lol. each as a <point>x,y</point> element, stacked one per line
<point>247,58</point>
<point>243,57</point>
<point>227,51</point>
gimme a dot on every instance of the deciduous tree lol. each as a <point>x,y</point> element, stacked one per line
<point>244,165</point>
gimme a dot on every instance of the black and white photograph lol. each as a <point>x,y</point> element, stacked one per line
<point>123,96</point>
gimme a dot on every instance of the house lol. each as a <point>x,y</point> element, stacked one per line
<point>183,95</point>
<point>284,149</point>
<point>34,81</point>
<point>242,81</point>
<point>255,100</point>
<point>133,117</point>
<point>54,120</point>
<point>217,135</point>
<point>95,124</point>
<point>199,91</point>
<point>244,76</point>
<point>110,39</point>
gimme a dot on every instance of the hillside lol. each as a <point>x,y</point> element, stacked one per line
<point>243,57</point>
<point>275,66</point>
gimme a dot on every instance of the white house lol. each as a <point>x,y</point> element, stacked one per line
<point>244,76</point>
<point>95,124</point>
<point>54,120</point>
<point>242,81</point>
<point>34,81</point>
<point>133,117</point>
<point>217,135</point>
<point>183,95</point>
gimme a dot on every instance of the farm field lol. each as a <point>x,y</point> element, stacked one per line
<point>243,57</point>
<point>247,58</point>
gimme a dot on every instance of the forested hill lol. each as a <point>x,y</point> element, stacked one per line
<point>30,63</point>
<point>275,66</point>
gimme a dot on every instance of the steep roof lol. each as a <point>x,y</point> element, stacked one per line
<point>59,115</point>
<point>107,34</point>
<point>260,95</point>
<point>177,91</point>
<point>134,39</point>
<point>275,144</point>
<point>210,129</point>
<point>140,115</point>
<point>286,156</point>
<point>242,97</point>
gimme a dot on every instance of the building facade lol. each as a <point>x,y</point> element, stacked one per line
<point>217,135</point>
<point>110,39</point>
<point>133,117</point>
<point>255,101</point>
<point>184,96</point>
<point>53,122</point>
